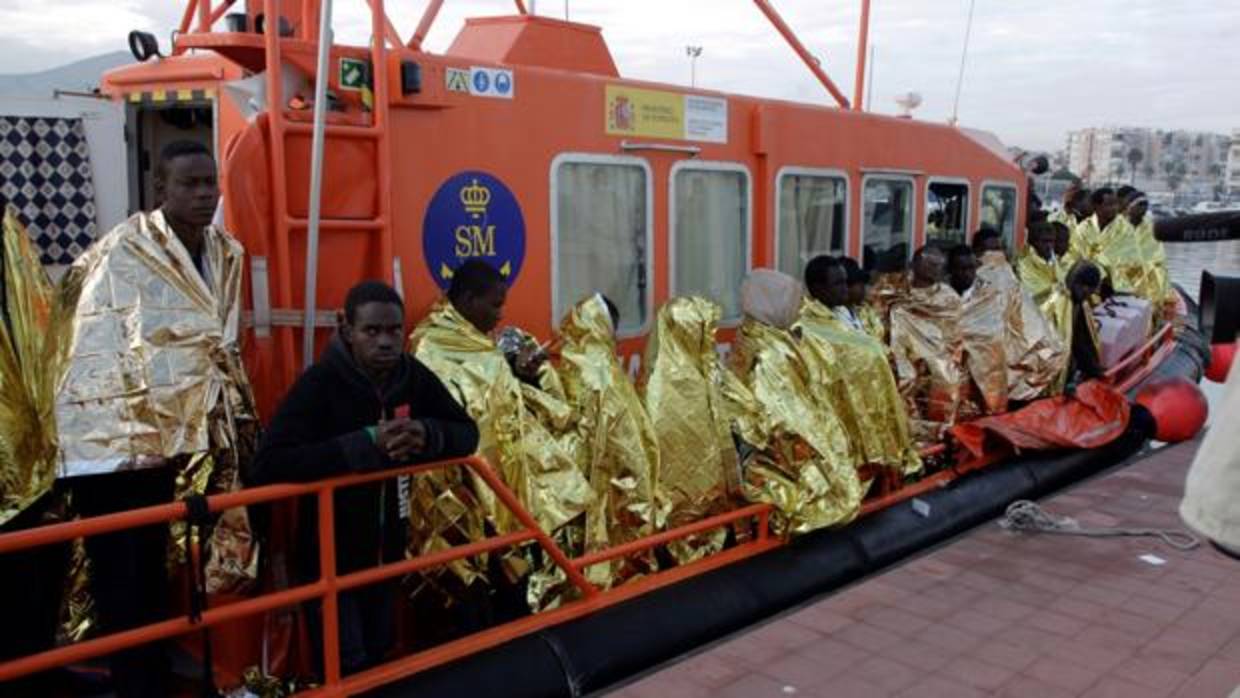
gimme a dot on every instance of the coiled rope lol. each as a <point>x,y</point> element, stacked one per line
<point>1024,515</point>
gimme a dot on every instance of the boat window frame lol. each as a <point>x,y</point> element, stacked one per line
<point>911,179</point>
<point>981,201</point>
<point>811,172</point>
<point>968,215</point>
<point>553,217</point>
<point>708,166</point>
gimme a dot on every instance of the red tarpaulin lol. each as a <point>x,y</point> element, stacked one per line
<point>1094,416</point>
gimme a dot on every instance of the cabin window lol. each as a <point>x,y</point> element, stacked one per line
<point>710,233</point>
<point>601,226</point>
<point>887,225</point>
<point>812,218</point>
<point>947,212</point>
<point>999,211</point>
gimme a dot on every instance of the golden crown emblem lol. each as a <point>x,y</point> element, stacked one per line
<point>475,198</point>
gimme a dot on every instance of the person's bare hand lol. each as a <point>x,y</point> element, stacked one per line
<point>393,438</point>
<point>528,360</point>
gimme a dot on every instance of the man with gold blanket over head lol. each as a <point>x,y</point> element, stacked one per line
<point>1090,235</point>
<point>681,385</point>
<point>805,464</point>
<point>535,459</point>
<point>31,581</point>
<point>1035,354</point>
<point>620,449</point>
<point>928,344</point>
<point>153,391</point>
<point>852,371</point>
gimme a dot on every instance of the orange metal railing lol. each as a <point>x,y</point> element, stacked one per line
<point>329,585</point>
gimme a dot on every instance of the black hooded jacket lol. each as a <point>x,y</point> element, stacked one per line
<point>319,431</point>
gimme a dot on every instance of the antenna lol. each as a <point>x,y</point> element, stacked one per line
<point>964,52</point>
<point>693,52</point>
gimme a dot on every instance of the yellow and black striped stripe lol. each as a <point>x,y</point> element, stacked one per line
<point>171,96</point>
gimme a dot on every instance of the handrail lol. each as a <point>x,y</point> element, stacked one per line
<point>330,584</point>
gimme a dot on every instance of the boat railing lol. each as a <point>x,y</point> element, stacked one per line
<point>588,597</point>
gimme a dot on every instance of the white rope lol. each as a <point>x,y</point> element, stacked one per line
<point>1024,515</point>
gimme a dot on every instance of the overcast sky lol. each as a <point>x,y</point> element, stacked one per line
<point>1035,69</point>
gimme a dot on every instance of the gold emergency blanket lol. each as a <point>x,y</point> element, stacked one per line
<point>872,322</point>
<point>1135,261</point>
<point>928,346</point>
<point>804,465</point>
<point>982,326</point>
<point>28,373</point>
<point>1036,356</point>
<point>1047,282</point>
<point>152,370</point>
<point>854,373</point>
<point>888,287</point>
<point>620,449</point>
<point>1089,238</point>
<point>529,458</point>
<point>680,384</point>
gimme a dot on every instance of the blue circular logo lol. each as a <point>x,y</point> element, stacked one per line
<point>473,215</point>
<point>482,81</point>
<point>503,83</point>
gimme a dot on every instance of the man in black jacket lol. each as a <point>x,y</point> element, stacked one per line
<point>366,405</point>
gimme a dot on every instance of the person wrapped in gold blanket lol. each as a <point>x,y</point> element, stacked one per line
<point>852,371</point>
<point>536,460</point>
<point>804,464</point>
<point>620,449</point>
<point>682,387</point>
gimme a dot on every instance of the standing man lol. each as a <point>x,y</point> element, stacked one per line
<point>365,405</point>
<point>153,379</point>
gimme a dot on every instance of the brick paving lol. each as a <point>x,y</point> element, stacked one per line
<point>1003,614</point>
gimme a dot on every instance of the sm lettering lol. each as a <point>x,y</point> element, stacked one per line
<point>475,241</point>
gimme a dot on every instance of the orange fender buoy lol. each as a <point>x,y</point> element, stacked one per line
<point>1221,356</point>
<point>1178,406</point>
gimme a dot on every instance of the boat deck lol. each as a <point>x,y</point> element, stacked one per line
<point>1007,614</point>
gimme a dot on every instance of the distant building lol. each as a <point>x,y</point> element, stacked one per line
<point>1182,163</point>
<point>1233,164</point>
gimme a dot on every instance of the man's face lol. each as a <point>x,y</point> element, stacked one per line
<point>1106,209</point>
<point>375,336</point>
<point>1084,207</point>
<point>1063,240</point>
<point>1081,290</point>
<point>990,244</point>
<point>484,310</point>
<point>1136,213</point>
<point>930,268</point>
<point>963,272</point>
<point>1043,242</point>
<point>189,190</point>
<point>856,293</point>
<point>832,291</point>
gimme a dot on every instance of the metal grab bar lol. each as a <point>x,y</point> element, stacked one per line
<point>329,584</point>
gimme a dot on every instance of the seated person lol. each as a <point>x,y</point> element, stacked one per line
<point>1076,207</point>
<point>1134,261</point>
<point>803,463</point>
<point>988,239</point>
<point>928,346</point>
<point>535,458</point>
<point>852,371</point>
<point>1084,282</point>
<point>681,386</point>
<point>1041,272</point>
<point>1035,354</point>
<point>364,406</point>
<point>982,324</point>
<point>1092,234</point>
<point>858,286</point>
<point>619,446</point>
